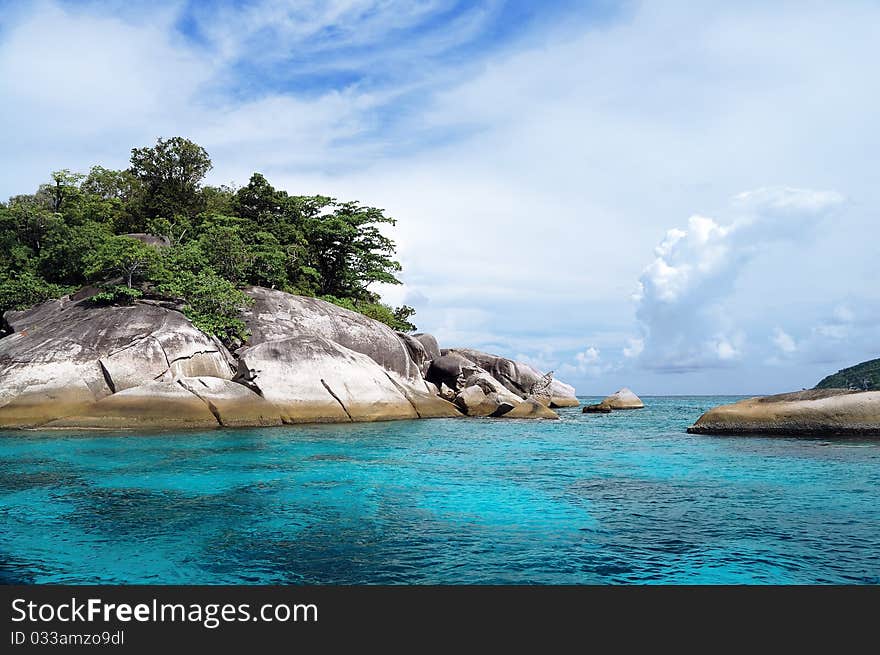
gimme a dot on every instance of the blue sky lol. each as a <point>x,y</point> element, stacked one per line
<point>676,198</point>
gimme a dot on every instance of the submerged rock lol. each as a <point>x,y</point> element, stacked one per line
<point>818,412</point>
<point>623,399</point>
<point>599,408</point>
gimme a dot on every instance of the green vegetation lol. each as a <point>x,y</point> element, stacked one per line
<point>156,231</point>
<point>864,377</point>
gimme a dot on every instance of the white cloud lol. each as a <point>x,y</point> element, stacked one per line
<point>586,363</point>
<point>634,348</point>
<point>784,341</point>
<point>684,289</point>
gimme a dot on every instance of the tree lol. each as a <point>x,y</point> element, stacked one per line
<point>349,250</point>
<point>123,256</point>
<point>66,250</point>
<point>170,172</point>
<point>73,231</point>
<point>259,201</point>
<point>66,184</point>
<point>26,290</point>
<point>226,252</point>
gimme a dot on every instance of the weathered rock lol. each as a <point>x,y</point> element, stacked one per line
<point>490,385</point>
<point>65,356</point>
<point>450,370</point>
<point>531,408</point>
<point>474,401</point>
<point>599,408</point>
<point>416,351</point>
<point>156,405</point>
<point>428,405</point>
<point>445,392</point>
<point>312,379</point>
<point>818,412</point>
<point>277,315</point>
<point>517,377</point>
<point>623,399</point>
<point>233,405</point>
<point>71,364</point>
<point>429,343</point>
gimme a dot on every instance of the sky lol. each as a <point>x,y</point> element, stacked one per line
<point>677,197</point>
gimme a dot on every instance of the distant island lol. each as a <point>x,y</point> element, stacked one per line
<point>863,377</point>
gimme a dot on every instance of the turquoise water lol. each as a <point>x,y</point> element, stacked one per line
<point>621,498</point>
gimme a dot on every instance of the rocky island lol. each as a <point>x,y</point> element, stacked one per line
<point>70,364</point>
<point>815,412</point>
<point>620,399</point>
<point>142,298</point>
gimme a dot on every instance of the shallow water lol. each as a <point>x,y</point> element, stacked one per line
<point>621,498</point>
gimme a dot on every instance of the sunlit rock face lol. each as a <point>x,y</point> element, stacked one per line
<point>70,364</point>
<point>67,355</point>
<point>818,412</point>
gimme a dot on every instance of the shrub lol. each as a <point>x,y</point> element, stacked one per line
<point>26,290</point>
<point>116,295</point>
<point>213,304</point>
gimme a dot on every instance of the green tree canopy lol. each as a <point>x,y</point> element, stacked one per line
<point>170,172</point>
<point>124,256</point>
<point>77,229</point>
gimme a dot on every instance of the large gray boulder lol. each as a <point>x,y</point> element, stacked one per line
<point>416,351</point>
<point>278,315</point>
<point>71,364</point>
<point>474,401</point>
<point>67,355</point>
<point>154,405</point>
<point>232,404</point>
<point>429,343</point>
<point>622,399</point>
<point>313,380</point>
<point>818,412</point>
<point>531,408</point>
<point>312,336</point>
<point>518,377</point>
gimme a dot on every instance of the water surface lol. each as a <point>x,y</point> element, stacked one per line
<point>622,498</point>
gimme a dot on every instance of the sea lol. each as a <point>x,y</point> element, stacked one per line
<point>622,498</point>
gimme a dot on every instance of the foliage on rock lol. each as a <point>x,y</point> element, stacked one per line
<point>96,229</point>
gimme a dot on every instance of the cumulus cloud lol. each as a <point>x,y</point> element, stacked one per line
<point>633,348</point>
<point>586,363</point>
<point>682,292</point>
<point>784,341</point>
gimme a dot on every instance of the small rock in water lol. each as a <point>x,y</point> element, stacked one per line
<point>599,408</point>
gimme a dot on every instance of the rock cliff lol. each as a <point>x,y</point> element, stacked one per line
<point>69,364</point>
